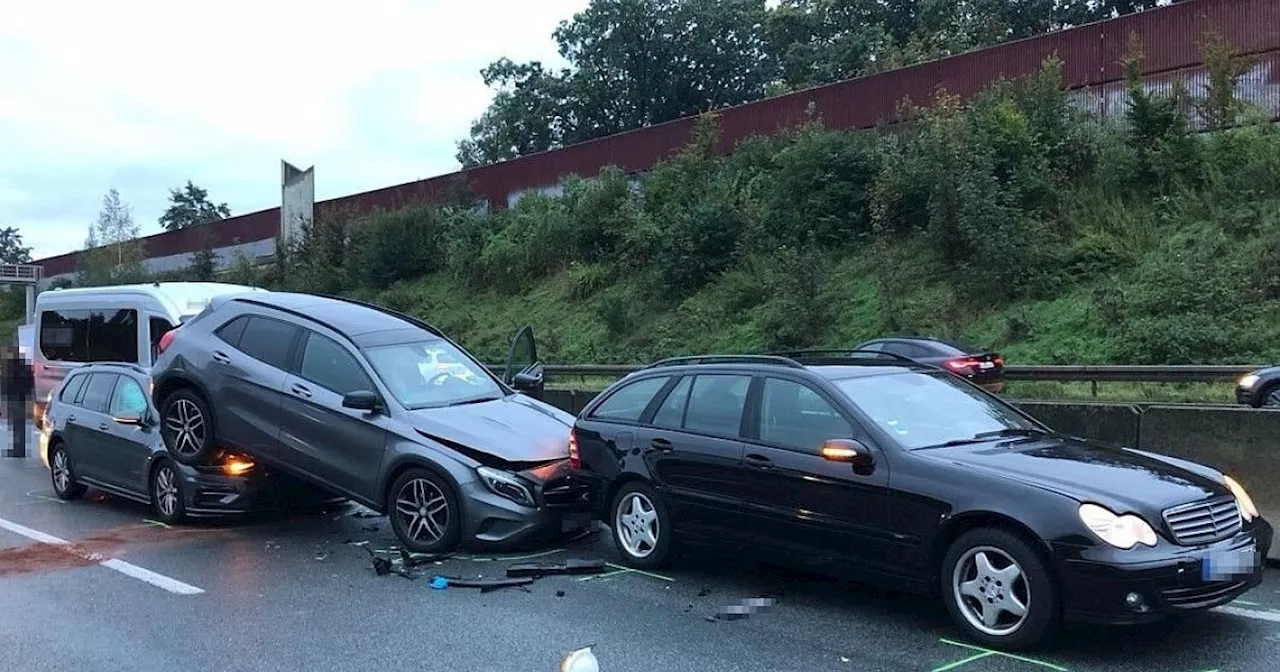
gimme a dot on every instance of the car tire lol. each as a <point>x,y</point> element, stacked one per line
<point>63,474</point>
<point>187,427</point>
<point>995,568</point>
<point>1264,396</point>
<point>424,512</point>
<point>168,495</point>
<point>641,524</point>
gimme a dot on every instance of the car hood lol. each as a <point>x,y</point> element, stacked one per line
<point>515,428</point>
<point>1121,479</point>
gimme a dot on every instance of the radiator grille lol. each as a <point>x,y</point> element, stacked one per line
<point>1204,522</point>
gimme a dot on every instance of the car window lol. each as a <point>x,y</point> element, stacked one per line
<point>431,373</point>
<point>927,409</point>
<point>72,388</point>
<point>98,391</point>
<point>326,363</point>
<point>101,335</point>
<point>232,331</point>
<point>796,416</point>
<point>715,404</point>
<point>671,413</point>
<point>629,401</point>
<point>159,326</point>
<point>129,399</point>
<point>910,350</point>
<point>268,341</point>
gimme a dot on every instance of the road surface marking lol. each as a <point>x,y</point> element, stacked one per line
<point>144,575</point>
<point>1002,654</point>
<point>963,661</point>
<point>1250,613</point>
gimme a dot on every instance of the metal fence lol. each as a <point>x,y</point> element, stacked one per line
<point>1048,373</point>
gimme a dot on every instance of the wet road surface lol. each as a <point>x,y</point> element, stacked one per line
<point>289,593</point>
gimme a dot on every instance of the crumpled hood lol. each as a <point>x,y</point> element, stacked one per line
<point>515,428</point>
<point>1114,477</point>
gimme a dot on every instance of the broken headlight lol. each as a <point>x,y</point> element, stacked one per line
<point>506,485</point>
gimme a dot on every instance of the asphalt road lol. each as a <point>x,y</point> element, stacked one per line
<point>287,593</point>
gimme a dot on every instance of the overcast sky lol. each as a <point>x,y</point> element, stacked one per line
<point>142,95</point>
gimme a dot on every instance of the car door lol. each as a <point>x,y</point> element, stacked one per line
<point>342,446</point>
<point>801,503</point>
<point>524,372</point>
<point>87,425</point>
<point>251,373</point>
<point>692,443</point>
<point>126,445</point>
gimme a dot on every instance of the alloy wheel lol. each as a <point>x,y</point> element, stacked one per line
<point>186,425</point>
<point>636,524</point>
<point>1272,399</point>
<point>992,591</point>
<point>61,471</point>
<point>423,510</point>
<point>166,491</point>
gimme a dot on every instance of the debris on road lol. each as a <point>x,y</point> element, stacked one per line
<point>570,566</point>
<point>486,585</point>
<point>734,612</point>
<point>582,660</point>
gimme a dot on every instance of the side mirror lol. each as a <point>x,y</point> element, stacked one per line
<point>362,400</point>
<point>527,382</point>
<point>131,418</point>
<point>850,452</point>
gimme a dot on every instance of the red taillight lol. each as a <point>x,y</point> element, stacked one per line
<point>999,361</point>
<point>961,363</point>
<point>575,460</point>
<point>165,340</point>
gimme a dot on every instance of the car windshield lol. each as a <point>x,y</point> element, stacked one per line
<point>431,373</point>
<point>924,410</point>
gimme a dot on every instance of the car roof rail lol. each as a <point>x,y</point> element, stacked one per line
<point>137,368</point>
<point>284,309</point>
<point>840,356</point>
<point>422,324</point>
<point>727,359</point>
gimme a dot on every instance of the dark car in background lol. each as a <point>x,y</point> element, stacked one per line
<point>101,431</point>
<point>898,473</point>
<point>376,406</point>
<point>1260,389</point>
<point>982,367</point>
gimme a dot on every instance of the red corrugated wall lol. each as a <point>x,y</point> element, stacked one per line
<point>1091,56</point>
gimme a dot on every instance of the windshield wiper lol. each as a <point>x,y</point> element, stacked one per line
<point>983,437</point>
<point>477,400</point>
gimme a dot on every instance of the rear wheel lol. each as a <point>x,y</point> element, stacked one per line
<point>999,590</point>
<point>424,512</point>
<point>187,427</point>
<point>642,528</point>
<point>63,474</point>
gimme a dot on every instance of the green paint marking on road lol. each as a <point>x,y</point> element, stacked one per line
<point>641,571</point>
<point>963,661</point>
<point>1002,654</point>
<point>605,575</point>
<point>156,523</point>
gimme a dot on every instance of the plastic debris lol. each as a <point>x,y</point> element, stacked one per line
<point>582,660</point>
<point>570,566</point>
<point>439,583</point>
<point>485,585</point>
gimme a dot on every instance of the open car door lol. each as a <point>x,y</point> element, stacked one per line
<point>524,372</point>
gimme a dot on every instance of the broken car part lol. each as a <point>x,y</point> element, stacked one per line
<point>570,566</point>
<point>485,585</point>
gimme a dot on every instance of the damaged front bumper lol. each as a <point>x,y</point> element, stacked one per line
<point>560,506</point>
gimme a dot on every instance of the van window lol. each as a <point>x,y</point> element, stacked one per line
<point>89,335</point>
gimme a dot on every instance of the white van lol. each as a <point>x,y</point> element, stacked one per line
<point>120,323</point>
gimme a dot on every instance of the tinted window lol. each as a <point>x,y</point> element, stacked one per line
<point>89,335</point>
<point>128,398</point>
<point>268,341</point>
<point>328,364</point>
<point>629,401</point>
<point>716,403</point>
<point>98,391</point>
<point>671,412</point>
<point>72,388</point>
<point>794,415</point>
<point>911,350</point>
<point>232,331</point>
<point>927,409</point>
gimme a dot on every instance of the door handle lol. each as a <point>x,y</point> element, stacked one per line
<point>219,356</point>
<point>102,426</point>
<point>661,444</point>
<point>300,391</point>
<point>71,418</point>
<point>759,461</point>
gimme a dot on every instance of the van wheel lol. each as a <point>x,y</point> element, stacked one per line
<point>187,427</point>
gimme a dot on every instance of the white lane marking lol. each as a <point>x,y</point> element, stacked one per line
<point>1250,613</point>
<point>145,575</point>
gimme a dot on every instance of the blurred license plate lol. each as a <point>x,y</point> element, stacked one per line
<point>1222,565</point>
<point>986,365</point>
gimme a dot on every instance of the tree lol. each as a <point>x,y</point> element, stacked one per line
<point>190,206</point>
<point>114,252</point>
<point>12,251</point>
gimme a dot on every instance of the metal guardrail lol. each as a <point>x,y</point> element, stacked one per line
<point>1090,373</point>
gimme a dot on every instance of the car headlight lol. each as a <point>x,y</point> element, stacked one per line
<point>1123,532</point>
<point>1248,510</point>
<point>1249,381</point>
<point>506,485</point>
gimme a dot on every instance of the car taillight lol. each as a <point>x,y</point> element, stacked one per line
<point>961,363</point>
<point>575,460</point>
<point>999,361</point>
<point>165,340</point>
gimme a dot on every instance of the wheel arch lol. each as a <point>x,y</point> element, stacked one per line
<point>957,526</point>
<point>611,492</point>
<point>172,382</point>
<point>407,462</point>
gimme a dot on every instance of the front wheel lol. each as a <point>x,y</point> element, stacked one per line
<point>999,590</point>
<point>167,496</point>
<point>642,528</point>
<point>424,512</point>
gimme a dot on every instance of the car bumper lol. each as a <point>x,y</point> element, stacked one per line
<point>209,492</point>
<point>1100,585</point>
<point>494,522</point>
<point>1246,396</point>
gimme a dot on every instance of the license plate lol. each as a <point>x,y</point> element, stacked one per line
<point>1223,565</point>
<point>986,365</point>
